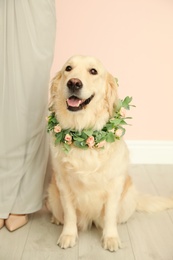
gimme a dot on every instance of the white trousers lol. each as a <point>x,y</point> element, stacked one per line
<point>27,37</point>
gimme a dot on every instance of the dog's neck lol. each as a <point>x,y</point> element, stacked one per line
<point>89,137</point>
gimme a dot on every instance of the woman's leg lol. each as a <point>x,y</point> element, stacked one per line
<point>26,47</point>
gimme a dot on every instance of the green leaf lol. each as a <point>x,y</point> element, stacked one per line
<point>66,147</point>
<point>110,138</point>
<point>108,127</point>
<point>116,121</point>
<point>88,132</point>
<point>80,144</point>
<point>58,137</point>
<point>100,136</point>
<point>54,120</point>
<point>78,138</point>
<point>123,122</point>
<point>126,102</point>
<point>84,136</point>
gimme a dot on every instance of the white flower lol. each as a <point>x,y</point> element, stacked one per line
<point>119,132</point>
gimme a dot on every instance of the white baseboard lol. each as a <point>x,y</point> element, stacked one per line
<point>151,152</point>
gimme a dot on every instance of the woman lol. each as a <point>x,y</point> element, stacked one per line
<point>26,51</point>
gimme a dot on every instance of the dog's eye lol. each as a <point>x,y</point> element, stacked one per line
<point>68,68</point>
<point>93,71</point>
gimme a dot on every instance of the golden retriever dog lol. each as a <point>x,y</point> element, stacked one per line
<point>91,185</point>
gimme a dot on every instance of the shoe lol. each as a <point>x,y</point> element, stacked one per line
<point>1,222</point>
<point>16,221</point>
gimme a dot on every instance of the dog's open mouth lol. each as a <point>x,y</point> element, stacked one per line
<point>75,104</point>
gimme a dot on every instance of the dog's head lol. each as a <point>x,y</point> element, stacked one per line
<point>83,88</point>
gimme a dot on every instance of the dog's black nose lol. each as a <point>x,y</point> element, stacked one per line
<point>74,84</point>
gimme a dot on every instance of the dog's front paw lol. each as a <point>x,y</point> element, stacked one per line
<point>111,243</point>
<point>66,241</point>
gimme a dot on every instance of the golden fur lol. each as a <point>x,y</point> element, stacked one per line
<point>93,185</point>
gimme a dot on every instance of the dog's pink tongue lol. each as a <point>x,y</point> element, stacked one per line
<point>74,102</point>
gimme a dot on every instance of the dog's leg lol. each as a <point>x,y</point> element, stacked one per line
<point>69,234</point>
<point>53,202</point>
<point>110,239</point>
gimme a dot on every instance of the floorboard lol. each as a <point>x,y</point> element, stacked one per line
<point>12,244</point>
<point>144,236</point>
<point>90,246</point>
<point>42,240</point>
<point>152,234</point>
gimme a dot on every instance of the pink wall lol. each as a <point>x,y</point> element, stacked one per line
<point>134,40</point>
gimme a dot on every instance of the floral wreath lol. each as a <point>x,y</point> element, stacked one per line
<point>89,138</point>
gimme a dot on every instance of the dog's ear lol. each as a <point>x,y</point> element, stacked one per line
<point>53,89</point>
<point>111,93</point>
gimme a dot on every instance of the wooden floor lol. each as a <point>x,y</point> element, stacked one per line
<point>144,237</point>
